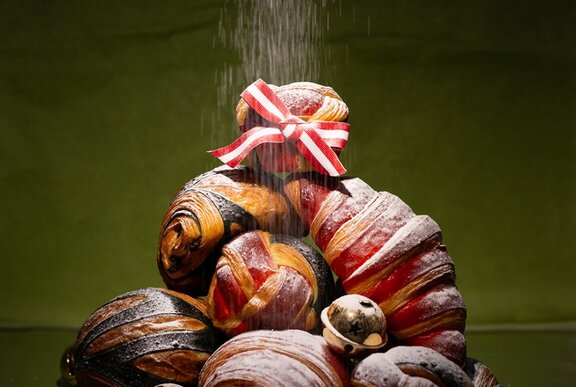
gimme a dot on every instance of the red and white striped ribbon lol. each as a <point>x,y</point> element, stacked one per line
<point>314,140</point>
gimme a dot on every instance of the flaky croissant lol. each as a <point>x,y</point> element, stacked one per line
<point>379,248</point>
<point>208,212</point>
<point>265,281</point>
<point>274,358</point>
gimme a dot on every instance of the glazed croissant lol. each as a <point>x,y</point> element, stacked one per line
<point>419,366</point>
<point>379,248</point>
<point>208,212</point>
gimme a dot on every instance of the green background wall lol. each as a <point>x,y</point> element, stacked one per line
<point>466,110</point>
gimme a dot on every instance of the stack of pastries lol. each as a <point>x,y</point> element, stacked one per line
<point>250,259</point>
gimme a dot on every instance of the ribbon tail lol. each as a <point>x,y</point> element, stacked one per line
<point>319,154</point>
<point>234,153</point>
<point>335,134</point>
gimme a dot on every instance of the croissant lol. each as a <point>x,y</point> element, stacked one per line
<point>265,281</point>
<point>208,212</point>
<point>144,337</point>
<point>408,366</point>
<point>274,358</point>
<point>379,248</point>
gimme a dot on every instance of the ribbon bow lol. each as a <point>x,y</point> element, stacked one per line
<point>314,140</point>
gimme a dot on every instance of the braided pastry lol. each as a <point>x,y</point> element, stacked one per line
<point>265,281</point>
<point>408,366</point>
<point>306,100</point>
<point>274,358</point>
<point>208,212</point>
<point>379,248</point>
<point>144,337</point>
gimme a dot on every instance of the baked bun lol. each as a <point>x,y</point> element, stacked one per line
<point>144,337</point>
<point>265,281</point>
<point>274,358</point>
<point>409,366</point>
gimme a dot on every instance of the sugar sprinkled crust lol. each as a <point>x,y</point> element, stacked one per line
<point>449,342</point>
<point>419,360</point>
<point>284,358</point>
<point>307,100</point>
<point>408,364</point>
<point>380,248</point>
<point>377,370</point>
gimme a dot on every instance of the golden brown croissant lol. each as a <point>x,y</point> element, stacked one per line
<point>379,248</point>
<point>265,281</point>
<point>274,358</point>
<point>144,337</point>
<point>208,212</point>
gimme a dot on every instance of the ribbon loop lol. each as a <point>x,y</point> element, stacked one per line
<point>313,139</point>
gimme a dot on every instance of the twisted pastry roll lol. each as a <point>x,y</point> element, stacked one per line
<point>379,248</point>
<point>208,212</point>
<point>145,337</point>
<point>408,366</point>
<point>274,358</point>
<point>306,100</point>
<point>265,281</point>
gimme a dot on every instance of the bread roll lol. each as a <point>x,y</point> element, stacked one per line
<point>274,358</point>
<point>265,281</point>
<point>144,337</point>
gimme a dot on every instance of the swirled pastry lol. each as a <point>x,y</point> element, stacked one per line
<point>274,358</point>
<point>208,212</point>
